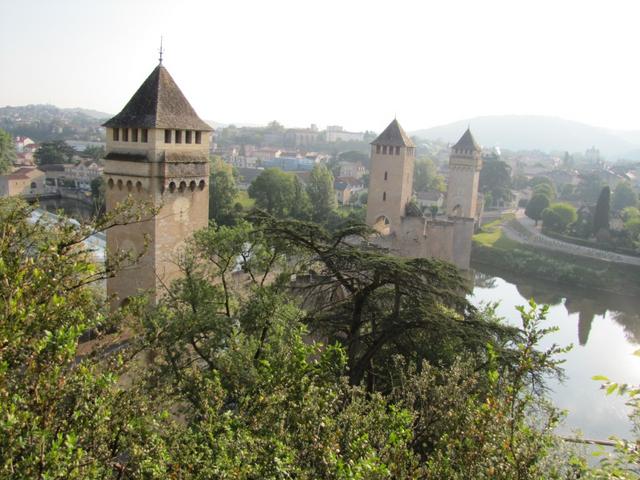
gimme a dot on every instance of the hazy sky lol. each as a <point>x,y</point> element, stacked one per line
<point>346,62</point>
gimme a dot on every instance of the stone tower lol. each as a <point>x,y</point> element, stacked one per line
<point>465,163</point>
<point>157,152</point>
<point>390,178</point>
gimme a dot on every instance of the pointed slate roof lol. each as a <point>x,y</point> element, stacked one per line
<point>158,103</point>
<point>394,136</point>
<point>467,142</point>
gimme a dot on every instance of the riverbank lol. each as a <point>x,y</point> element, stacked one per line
<point>493,248</point>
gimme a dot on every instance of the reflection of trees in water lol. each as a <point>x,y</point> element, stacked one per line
<point>71,208</point>
<point>588,304</point>
<point>630,322</point>
<point>540,295</point>
<point>483,280</point>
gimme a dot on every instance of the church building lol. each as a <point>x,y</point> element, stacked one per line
<point>156,152</point>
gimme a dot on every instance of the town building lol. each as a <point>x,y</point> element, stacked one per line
<point>335,133</point>
<point>352,169</point>
<point>156,153</point>
<point>24,181</point>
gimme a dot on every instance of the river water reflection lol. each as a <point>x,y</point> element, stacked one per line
<point>604,330</point>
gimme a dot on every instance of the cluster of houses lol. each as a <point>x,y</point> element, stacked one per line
<point>31,181</point>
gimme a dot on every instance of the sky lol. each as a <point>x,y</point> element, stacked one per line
<point>347,62</point>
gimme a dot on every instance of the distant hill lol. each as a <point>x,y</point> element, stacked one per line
<point>48,122</point>
<point>529,132</point>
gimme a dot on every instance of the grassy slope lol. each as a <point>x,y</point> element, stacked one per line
<point>491,247</point>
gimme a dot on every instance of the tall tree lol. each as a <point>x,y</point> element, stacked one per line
<point>536,206</point>
<point>222,193</point>
<point>425,176</point>
<point>623,196</point>
<point>321,193</point>
<point>7,152</point>
<point>273,191</point>
<point>57,151</point>
<point>301,207</point>
<point>495,178</point>
<point>558,217</point>
<point>601,215</point>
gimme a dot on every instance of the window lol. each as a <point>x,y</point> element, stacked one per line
<point>187,136</point>
<point>397,150</point>
<point>384,196</point>
<point>384,150</point>
<point>377,148</point>
<point>198,137</point>
<point>385,175</point>
<point>116,134</point>
<point>145,134</point>
<point>167,136</point>
<point>134,134</point>
<point>178,136</point>
<point>125,134</point>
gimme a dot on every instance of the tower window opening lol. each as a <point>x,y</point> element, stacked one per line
<point>385,175</point>
<point>384,196</point>
<point>134,134</point>
<point>187,136</point>
<point>167,136</point>
<point>125,134</point>
<point>384,150</point>
<point>138,187</point>
<point>145,135</point>
<point>377,148</point>
<point>119,184</point>
<point>198,137</point>
<point>397,150</point>
<point>201,185</point>
<point>192,185</point>
<point>129,185</point>
<point>116,134</point>
<point>178,136</point>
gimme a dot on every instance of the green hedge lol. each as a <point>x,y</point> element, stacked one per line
<point>587,243</point>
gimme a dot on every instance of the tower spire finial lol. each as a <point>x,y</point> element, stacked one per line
<point>161,51</point>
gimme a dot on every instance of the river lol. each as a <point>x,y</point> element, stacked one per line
<point>604,330</point>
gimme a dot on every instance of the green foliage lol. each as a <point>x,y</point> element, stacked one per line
<point>56,406</point>
<point>558,217</point>
<point>7,152</point>
<point>321,194</point>
<point>222,379</point>
<point>545,189</point>
<point>273,191</point>
<point>98,196</point>
<point>53,152</point>
<point>495,181</point>
<point>222,193</point>
<point>536,206</point>
<point>623,196</point>
<point>601,215</point>
<point>94,152</point>
<point>425,176</point>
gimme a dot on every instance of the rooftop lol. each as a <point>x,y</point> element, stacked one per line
<point>467,142</point>
<point>394,136</point>
<point>158,103</point>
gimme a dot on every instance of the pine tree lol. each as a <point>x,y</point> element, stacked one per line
<point>601,216</point>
